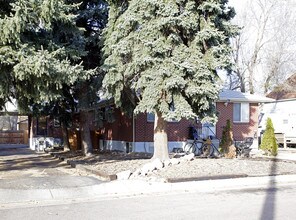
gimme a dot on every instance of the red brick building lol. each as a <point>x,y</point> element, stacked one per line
<point>136,133</point>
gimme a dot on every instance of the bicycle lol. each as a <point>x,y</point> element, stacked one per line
<point>191,147</point>
<point>202,147</point>
<point>244,147</point>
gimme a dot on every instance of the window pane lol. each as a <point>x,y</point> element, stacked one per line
<point>245,109</point>
<point>236,112</point>
<point>41,126</point>
<point>150,117</point>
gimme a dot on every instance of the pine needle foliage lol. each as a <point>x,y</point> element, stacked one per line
<point>162,55</point>
<point>268,143</point>
<point>40,50</point>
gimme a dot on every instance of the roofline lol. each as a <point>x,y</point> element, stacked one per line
<point>245,100</point>
<point>284,100</point>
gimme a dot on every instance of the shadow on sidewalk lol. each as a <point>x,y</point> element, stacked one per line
<point>268,209</point>
<point>12,159</point>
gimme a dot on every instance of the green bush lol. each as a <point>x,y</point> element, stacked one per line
<point>268,143</point>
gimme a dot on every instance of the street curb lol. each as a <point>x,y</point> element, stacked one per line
<point>101,175</point>
<point>140,187</point>
<point>205,178</point>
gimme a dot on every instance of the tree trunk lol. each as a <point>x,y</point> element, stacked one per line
<point>65,136</point>
<point>84,121</point>
<point>86,143</point>
<point>160,138</point>
<point>242,83</point>
<point>251,82</point>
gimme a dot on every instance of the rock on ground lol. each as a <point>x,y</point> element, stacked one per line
<point>181,168</point>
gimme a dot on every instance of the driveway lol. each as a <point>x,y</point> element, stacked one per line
<point>22,169</point>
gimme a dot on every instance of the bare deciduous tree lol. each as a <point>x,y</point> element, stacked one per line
<point>280,57</point>
<point>263,53</point>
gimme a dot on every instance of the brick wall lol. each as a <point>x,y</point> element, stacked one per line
<point>120,130</point>
<point>177,131</point>
<point>240,130</point>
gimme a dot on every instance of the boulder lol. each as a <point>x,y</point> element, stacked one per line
<point>188,157</point>
<point>157,164</point>
<point>167,163</point>
<point>174,161</point>
<point>124,175</point>
<point>148,167</point>
<point>135,174</point>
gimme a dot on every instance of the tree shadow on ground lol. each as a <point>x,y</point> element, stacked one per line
<point>103,157</point>
<point>268,209</point>
<point>15,151</point>
<point>30,161</point>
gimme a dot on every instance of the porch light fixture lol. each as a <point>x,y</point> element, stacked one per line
<point>227,102</point>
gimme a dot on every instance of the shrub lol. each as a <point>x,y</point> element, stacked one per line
<point>268,143</point>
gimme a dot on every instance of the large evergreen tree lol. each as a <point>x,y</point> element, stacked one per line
<point>161,56</point>
<point>48,49</point>
<point>92,17</point>
<point>40,50</point>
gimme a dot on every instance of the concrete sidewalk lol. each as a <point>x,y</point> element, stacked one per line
<point>287,154</point>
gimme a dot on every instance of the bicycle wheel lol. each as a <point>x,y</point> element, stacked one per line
<point>239,151</point>
<point>207,150</point>
<point>213,151</point>
<point>189,148</point>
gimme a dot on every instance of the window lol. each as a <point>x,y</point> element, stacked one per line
<point>42,126</point>
<point>56,122</point>
<point>241,112</point>
<point>150,117</point>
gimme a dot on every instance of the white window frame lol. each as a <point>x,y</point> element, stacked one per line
<point>244,111</point>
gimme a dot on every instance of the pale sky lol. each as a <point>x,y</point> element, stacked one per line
<point>237,4</point>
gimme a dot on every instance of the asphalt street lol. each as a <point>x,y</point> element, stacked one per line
<point>274,203</point>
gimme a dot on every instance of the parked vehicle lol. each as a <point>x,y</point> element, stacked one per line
<point>283,116</point>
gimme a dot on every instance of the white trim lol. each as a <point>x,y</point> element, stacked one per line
<point>147,147</point>
<point>236,96</point>
<point>284,100</point>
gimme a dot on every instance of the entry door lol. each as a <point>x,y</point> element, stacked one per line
<point>209,129</point>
